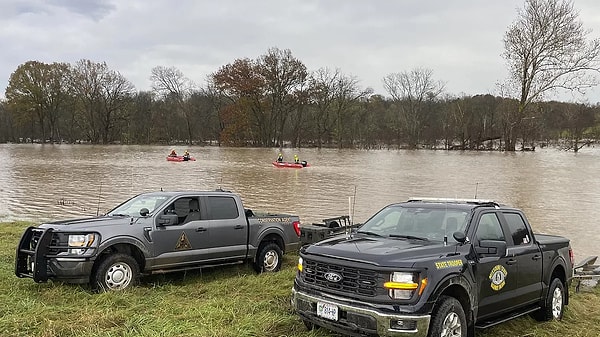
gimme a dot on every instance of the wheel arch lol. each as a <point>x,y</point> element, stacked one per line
<point>460,288</point>
<point>559,272</point>
<point>268,237</point>
<point>127,246</point>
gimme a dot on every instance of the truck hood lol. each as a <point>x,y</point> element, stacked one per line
<point>85,224</point>
<point>383,252</point>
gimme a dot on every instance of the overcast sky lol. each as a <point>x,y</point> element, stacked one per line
<point>459,40</point>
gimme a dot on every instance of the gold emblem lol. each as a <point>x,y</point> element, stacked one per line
<point>498,277</point>
<point>183,242</point>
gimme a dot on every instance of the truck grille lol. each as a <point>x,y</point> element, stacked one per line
<point>352,280</point>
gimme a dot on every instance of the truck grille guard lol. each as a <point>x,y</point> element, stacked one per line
<point>32,252</point>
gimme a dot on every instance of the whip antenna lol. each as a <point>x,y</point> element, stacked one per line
<point>99,194</point>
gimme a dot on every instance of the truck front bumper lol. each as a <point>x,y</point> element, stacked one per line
<point>359,319</point>
<point>40,265</point>
<point>71,270</point>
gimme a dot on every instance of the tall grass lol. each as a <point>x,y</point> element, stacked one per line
<point>219,302</point>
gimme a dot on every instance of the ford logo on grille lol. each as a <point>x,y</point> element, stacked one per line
<point>333,277</point>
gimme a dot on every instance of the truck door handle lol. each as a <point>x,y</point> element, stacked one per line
<point>200,229</point>
<point>238,227</point>
<point>536,257</point>
<point>511,262</point>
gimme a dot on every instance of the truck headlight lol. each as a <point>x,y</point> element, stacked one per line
<point>81,240</point>
<point>402,285</point>
<point>300,264</point>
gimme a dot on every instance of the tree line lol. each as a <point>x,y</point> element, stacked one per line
<point>275,101</point>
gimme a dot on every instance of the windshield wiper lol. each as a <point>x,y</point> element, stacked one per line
<point>118,214</point>
<point>369,233</point>
<point>412,237</point>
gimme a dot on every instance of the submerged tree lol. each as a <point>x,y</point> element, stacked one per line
<point>38,92</point>
<point>546,49</point>
<point>172,85</point>
<point>410,92</point>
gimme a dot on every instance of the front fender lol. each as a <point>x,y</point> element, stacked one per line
<point>456,285</point>
<point>130,240</point>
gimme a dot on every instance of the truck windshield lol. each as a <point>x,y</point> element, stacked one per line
<point>421,223</point>
<point>133,206</point>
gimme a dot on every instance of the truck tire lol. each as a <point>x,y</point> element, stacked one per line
<point>115,272</point>
<point>554,303</point>
<point>269,258</point>
<point>448,319</point>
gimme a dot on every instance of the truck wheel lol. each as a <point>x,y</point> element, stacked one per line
<point>554,304</point>
<point>269,258</point>
<point>115,272</point>
<point>449,319</point>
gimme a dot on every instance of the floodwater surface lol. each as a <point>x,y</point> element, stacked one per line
<point>558,190</point>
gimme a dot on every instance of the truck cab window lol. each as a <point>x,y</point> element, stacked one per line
<point>223,208</point>
<point>518,230</point>
<point>489,228</point>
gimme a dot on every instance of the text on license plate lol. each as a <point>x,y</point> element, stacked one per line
<point>327,310</point>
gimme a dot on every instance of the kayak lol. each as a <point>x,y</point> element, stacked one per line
<point>180,158</point>
<point>285,164</point>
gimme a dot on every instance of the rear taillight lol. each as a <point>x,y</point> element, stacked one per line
<point>297,227</point>
<point>572,257</point>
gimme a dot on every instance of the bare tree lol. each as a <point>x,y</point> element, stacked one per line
<point>410,91</point>
<point>102,96</point>
<point>285,77</point>
<point>546,49</point>
<point>171,83</point>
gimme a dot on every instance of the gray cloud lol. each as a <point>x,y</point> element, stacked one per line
<point>461,41</point>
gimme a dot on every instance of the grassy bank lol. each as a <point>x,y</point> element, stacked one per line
<point>225,301</point>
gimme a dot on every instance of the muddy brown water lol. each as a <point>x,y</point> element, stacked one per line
<point>558,190</point>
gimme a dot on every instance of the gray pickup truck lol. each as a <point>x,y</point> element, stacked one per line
<point>154,233</point>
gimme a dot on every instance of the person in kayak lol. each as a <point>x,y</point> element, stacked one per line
<point>173,153</point>
<point>296,159</point>
<point>280,158</point>
<point>186,155</point>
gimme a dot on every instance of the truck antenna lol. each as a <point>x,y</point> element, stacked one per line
<point>353,203</point>
<point>99,194</point>
<point>476,185</point>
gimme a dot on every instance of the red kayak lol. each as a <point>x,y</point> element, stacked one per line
<point>285,164</point>
<point>180,158</point>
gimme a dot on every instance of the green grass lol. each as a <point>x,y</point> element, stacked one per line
<point>219,302</point>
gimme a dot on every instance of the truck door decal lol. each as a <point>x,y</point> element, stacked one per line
<point>183,242</point>
<point>498,277</point>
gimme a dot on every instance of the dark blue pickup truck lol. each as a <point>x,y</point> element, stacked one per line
<point>433,267</point>
<point>155,233</point>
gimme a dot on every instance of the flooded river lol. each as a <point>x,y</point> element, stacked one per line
<point>559,191</point>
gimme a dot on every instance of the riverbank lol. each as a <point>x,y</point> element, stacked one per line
<point>219,302</point>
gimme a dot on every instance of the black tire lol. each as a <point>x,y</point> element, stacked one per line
<point>115,272</point>
<point>269,258</point>
<point>448,319</point>
<point>334,224</point>
<point>554,303</point>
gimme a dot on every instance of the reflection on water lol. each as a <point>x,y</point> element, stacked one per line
<point>559,191</point>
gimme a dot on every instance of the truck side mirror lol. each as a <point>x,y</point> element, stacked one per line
<point>144,211</point>
<point>460,237</point>
<point>491,248</point>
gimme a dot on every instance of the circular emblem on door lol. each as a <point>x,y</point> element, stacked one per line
<point>498,277</point>
<point>333,277</point>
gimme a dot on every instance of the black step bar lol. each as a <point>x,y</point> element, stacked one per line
<point>31,261</point>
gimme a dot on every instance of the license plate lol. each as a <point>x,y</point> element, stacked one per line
<point>327,310</point>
